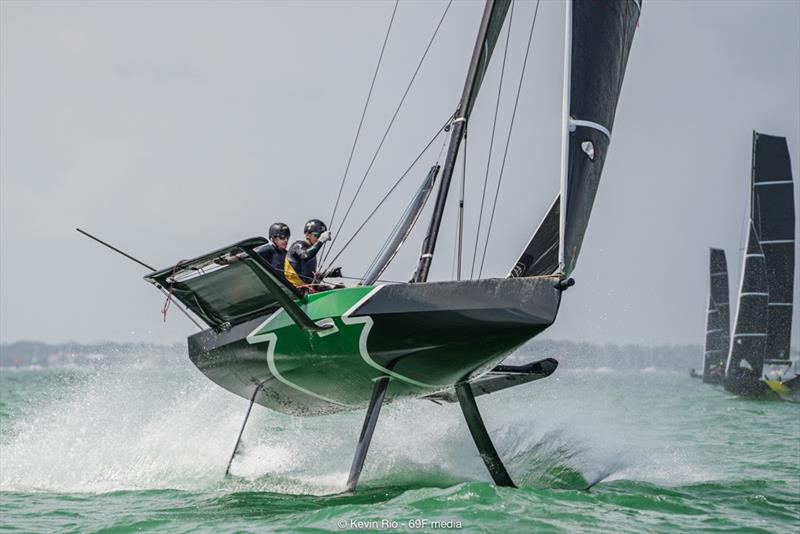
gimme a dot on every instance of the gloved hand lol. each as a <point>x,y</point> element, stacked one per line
<point>325,236</point>
<point>336,272</point>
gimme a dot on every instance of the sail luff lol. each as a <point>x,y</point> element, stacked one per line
<point>493,16</point>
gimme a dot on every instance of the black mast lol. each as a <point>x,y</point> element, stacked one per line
<point>493,15</point>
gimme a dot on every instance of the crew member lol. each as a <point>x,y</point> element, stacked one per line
<point>301,259</point>
<point>275,251</point>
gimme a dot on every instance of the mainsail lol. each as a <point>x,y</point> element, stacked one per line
<point>718,319</point>
<point>598,40</point>
<point>774,220</point>
<point>746,357</point>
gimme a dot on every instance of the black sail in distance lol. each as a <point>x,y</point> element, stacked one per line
<point>718,319</point>
<point>774,219</point>
<point>602,33</point>
<point>746,356</point>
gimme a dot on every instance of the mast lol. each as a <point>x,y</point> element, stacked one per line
<point>565,96</point>
<point>493,15</point>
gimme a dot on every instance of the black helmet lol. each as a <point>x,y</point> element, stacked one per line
<point>279,229</point>
<point>315,226</point>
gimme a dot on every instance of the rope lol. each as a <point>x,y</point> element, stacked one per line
<point>167,302</point>
<point>461,205</point>
<point>363,114</point>
<point>491,143</point>
<point>508,139</point>
<point>391,122</point>
<point>391,190</point>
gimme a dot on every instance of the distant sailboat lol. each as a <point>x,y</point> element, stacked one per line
<point>718,329</point>
<point>758,360</point>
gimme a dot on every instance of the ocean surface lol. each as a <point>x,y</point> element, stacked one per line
<point>140,443</point>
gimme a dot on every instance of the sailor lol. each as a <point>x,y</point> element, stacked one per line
<point>300,267</point>
<point>275,251</point>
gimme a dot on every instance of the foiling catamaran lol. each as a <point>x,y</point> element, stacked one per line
<point>759,362</point>
<point>359,347</point>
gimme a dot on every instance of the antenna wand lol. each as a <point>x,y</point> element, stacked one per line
<point>143,264</point>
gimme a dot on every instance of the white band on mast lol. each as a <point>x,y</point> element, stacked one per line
<point>574,123</point>
<point>779,182</point>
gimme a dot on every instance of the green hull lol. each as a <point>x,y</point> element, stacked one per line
<point>426,337</point>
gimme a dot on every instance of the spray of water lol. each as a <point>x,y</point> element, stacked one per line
<point>150,422</point>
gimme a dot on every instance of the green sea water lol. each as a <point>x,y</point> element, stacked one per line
<point>141,444</point>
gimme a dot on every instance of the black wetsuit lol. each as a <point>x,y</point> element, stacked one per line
<point>274,256</point>
<point>301,262</point>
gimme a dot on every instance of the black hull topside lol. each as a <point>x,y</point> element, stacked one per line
<point>426,336</point>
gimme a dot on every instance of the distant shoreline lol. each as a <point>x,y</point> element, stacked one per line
<point>570,354</point>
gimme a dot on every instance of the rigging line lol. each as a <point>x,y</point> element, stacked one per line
<point>363,113</point>
<point>508,138</point>
<point>378,280</point>
<point>491,143</point>
<point>391,122</point>
<point>745,226</point>
<point>391,190</point>
<point>461,205</point>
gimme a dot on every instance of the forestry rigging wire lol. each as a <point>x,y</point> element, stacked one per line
<point>391,190</point>
<point>508,139</point>
<point>388,128</point>
<point>363,114</point>
<point>491,142</point>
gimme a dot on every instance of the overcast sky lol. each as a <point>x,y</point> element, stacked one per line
<point>173,128</point>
